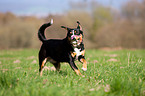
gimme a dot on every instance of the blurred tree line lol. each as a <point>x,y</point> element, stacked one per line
<point>103,26</point>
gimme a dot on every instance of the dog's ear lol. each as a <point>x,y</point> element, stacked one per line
<point>79,26</point>
<point>65,27</point>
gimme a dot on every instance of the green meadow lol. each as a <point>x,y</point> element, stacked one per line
<point>110,73</point>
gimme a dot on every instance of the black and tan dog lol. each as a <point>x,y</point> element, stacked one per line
<point>68,49</point>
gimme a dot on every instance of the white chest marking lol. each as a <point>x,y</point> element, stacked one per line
<point>78,52</point>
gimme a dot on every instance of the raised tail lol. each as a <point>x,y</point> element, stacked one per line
<point>41,30</point>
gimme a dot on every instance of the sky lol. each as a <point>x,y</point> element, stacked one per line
<point>45,7</point>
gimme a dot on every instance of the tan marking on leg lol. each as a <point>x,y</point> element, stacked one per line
<point>84,68</point>
<point>78,72</point>
<point>42,66</point>
<point>73,54</point>
<point>41,72</point>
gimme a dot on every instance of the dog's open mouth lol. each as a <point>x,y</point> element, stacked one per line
<point>75,40</point>
<point>75,43</point>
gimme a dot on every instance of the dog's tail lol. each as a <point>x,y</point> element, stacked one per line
<point>41,30</point>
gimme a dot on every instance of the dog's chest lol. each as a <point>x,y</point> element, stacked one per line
<point>77,52</point>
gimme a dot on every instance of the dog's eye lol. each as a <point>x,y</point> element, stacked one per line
<point>70,32</point>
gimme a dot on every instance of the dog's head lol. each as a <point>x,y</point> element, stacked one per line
<point>74,35</point>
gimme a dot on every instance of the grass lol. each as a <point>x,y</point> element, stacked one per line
<point>113,73</point>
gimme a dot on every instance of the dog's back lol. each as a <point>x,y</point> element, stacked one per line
<point>56,49</point>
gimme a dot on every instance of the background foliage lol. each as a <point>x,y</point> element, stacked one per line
<point>103,26</point>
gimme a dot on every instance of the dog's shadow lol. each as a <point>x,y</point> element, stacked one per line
<point>53,71</point>
<point>62,73</point>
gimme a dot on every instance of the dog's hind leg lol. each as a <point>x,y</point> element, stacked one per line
<point>41,65</point>
<point>57,66</point>
<point>42,59</point>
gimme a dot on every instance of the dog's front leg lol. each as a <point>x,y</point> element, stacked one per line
<point>73,66</point>
<point>82,60</point>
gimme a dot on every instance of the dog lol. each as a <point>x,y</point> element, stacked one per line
<point>68,50</point>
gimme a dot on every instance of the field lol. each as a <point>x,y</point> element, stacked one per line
<point>113,73</point>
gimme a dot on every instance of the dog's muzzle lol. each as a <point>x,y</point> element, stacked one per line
<point>75,40</point>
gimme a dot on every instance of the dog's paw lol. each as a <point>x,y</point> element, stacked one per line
<point>84,69</point>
